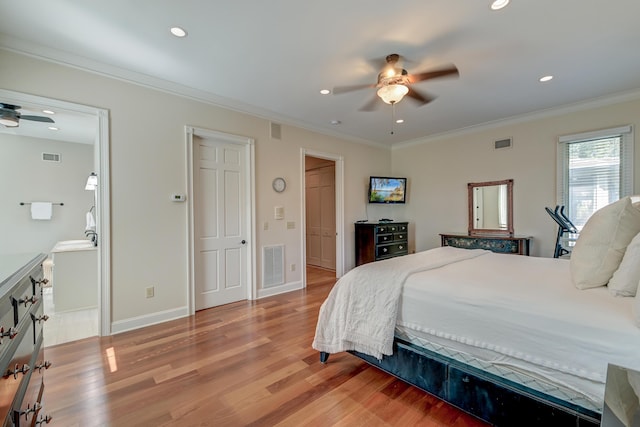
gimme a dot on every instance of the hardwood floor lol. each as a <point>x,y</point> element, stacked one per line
<point>243,364</point>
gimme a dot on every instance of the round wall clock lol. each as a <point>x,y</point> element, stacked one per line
<point>279,184</point>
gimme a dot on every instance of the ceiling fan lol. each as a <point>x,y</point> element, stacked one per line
<point>394,82</point>
<point>10,116</point>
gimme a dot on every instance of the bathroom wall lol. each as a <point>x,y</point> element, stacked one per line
<point>26,177</point>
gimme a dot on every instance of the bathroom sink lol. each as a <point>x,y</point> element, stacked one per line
<point>73,245</point>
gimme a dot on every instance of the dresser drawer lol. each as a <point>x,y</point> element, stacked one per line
<point>393,249</point>
<point>16,365</point>
<point>400,237</point>
<point>384,238</point>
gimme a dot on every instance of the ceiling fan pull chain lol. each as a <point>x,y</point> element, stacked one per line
<point>393,116</point>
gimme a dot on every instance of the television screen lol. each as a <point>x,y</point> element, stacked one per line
<point>387,190</point>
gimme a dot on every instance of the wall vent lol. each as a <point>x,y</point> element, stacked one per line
<point>276,131</point>
<point>272,265</point>
<point>51,157</point>
<point>502,143</point>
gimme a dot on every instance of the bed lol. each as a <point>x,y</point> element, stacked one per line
<point>510,339</point>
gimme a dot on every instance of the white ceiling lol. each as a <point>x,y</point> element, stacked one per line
<point>271,58</point>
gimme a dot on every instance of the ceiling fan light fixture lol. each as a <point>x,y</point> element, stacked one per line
<point>9,120</point>
<point>392,94</point>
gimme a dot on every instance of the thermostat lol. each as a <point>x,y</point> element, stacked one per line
<point>178,197</point>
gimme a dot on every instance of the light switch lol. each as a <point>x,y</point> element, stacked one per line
<point>278,212</point>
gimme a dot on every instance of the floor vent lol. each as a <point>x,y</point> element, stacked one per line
<point>502,143</point>
<point>276,131</point>
<point>272,265</point>
<point>51,157</point>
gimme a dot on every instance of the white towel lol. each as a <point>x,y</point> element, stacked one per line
<point>91,223</point>
<point>41,210</point>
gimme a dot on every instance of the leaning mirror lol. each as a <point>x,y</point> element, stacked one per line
<point>491,207</point>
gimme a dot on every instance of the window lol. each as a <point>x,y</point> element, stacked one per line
<point>594,170</point>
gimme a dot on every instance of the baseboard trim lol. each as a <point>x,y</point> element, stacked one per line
<point>276,290</point>
<point>148,320</point>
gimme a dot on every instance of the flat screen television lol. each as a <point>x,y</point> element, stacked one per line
<point>385,189</point>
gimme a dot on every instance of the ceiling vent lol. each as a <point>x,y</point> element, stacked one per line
<point>276,131</point>
<point>51,157</point>
<point>502,143</point>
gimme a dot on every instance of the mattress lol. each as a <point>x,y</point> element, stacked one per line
<point>522,318</point>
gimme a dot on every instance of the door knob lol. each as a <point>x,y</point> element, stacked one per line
<point>243,242</point>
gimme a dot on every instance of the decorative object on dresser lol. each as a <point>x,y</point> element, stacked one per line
<point>519,245</point>
<point>380,240</point>
<point>491,207</point>
<point>21,340</point>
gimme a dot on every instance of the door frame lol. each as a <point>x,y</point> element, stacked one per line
<point>250,197</point>
<point>339,189</point>
<point>103,206</point>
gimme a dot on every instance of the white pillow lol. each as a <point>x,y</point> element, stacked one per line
<point>602,242</point>
<point>624,282</point>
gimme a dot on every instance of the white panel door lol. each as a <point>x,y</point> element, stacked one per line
<point>219,222</point>
<point>321,217</point>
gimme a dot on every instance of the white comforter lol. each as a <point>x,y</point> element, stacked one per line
<point>360,312</point>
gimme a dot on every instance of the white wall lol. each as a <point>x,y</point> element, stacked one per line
<point>26,177</point>
<point>440,169</point>
<point>147,140</point>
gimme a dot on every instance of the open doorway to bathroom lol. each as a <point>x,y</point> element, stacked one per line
<point>48,168</point>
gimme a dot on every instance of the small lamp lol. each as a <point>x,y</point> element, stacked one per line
<point>92,182</point>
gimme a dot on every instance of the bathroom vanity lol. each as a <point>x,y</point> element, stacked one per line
<point>75,275</point>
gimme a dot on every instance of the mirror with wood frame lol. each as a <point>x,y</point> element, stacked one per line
<point>491,208</point>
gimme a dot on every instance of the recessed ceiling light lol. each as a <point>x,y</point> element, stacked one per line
<point>400,121</point>
<point>178,32</point>
<point>48,112</point>
<point>499,4</point>
<point>325,91</point>
<point>53,128</point>
<point>546,78</point>
<point>336,122</point>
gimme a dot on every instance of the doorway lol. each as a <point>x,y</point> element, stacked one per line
<point>220,198</point>
<point>322,213</point>
<point>93,123</point>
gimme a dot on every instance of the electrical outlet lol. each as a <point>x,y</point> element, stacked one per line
<point>291,225</point>
<point>150,291</point>
<point>292,267</point>
<point>266,225</point>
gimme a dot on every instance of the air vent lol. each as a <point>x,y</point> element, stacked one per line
<point>51,157</point>
<point>272,265</point>
<point>502,143</point>
<point>276,131</point>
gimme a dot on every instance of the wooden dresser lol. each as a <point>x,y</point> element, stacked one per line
<point>519,245</point>
<point>380,240</point>
<point>21,340</point>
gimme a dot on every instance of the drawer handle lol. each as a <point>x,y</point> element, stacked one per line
<point>11,333</point>
<point>36,407</point>
<point>384,250</point>
<point>465,379</point>
<point>32,299</point>
<point>43,420</point>
<point>39,319</point>
<point>15,371</point>
<point>44,364</point>
<point>400,236</point>
<point>38,282</point>
<point>400,247</point>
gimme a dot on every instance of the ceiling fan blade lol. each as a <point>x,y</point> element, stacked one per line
<point>427,75</point>
<point>419,97</point>
<point>372,105</point>
<point>37,119</point>
<point>344,89</point>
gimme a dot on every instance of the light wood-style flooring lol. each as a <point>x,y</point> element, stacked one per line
<point>243,364</point>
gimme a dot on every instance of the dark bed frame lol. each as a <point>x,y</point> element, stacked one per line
<point>489,397</point>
